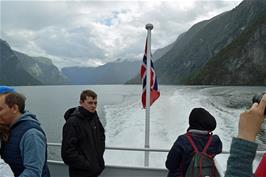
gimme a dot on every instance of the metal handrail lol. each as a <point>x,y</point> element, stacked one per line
<point>123,148</point>
<point>143,149</point>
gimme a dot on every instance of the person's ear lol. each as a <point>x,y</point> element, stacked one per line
<point>15,108</point>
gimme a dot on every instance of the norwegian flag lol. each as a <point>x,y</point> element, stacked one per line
<point>154,94</point>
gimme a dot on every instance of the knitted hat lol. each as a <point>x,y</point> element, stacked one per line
<point>6,89</point>
<point>201,119</point>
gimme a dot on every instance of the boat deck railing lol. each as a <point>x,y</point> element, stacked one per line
<point>136,170</point>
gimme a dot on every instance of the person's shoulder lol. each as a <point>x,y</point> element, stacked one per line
<point>70,112</point>
<point>216,138</point>
<point>34,132</point>
<point>73,120</point>
<point>181,138</point>
<point>32,136</point>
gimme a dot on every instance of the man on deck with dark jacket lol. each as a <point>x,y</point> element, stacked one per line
<point>83,142</point>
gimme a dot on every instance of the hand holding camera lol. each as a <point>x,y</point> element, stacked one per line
<point>257,99</point>
<point>251,120</point>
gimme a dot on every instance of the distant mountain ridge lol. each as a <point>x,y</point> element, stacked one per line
<point>42,69</point>
<point>17,68</point>
<point>11,71</point>
<point>117,72</point>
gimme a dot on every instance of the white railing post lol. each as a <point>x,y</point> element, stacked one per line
<point>149,27</point>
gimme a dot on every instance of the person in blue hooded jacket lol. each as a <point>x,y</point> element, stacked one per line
<point>26,148</point>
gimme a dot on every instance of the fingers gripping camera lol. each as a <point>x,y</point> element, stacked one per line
<point>257,98</point>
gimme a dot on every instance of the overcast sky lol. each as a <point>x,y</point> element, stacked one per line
<point>91,33</point>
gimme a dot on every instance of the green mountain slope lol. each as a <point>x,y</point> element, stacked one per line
<point>203,41</point>
<point>41,69</point>
<point>11,71</point>
<point>243,62</point>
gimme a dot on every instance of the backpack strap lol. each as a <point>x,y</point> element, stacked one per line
<point>189,137</point>
<point>208,144</point>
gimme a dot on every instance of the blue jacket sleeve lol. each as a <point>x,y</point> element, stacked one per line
<point>33,152</point>
<point>242,154</point>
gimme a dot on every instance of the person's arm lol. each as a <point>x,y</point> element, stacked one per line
<point>242,154</point>
<point>243,148</point>
<point>174,157</point>
<point>217,145</point>
<point>102,134</point>
<point>69,152</point>
<point>33,152</point>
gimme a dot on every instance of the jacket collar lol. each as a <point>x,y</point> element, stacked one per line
<point>203,132</point>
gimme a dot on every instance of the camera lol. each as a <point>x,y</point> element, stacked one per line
<point>257,98</point>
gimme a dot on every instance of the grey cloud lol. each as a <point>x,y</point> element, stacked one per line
<point>94,32</point>
<point>33,15</point>
<point>76,43</point>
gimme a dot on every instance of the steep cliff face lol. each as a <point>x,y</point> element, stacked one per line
<point>20,69</point>
<point>243,62</point>
<point>41,69</point>
<point>193,49</point>
<point>11,71</point>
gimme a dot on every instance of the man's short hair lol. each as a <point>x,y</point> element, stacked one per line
<point>87,93</point>
<point>12,99</point>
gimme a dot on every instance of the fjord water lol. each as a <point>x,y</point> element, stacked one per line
<point>121,113</point>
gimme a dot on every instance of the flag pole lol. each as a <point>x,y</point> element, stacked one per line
<point>149,27</point>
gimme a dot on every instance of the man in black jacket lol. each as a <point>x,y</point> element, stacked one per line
<point>83,142</point>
